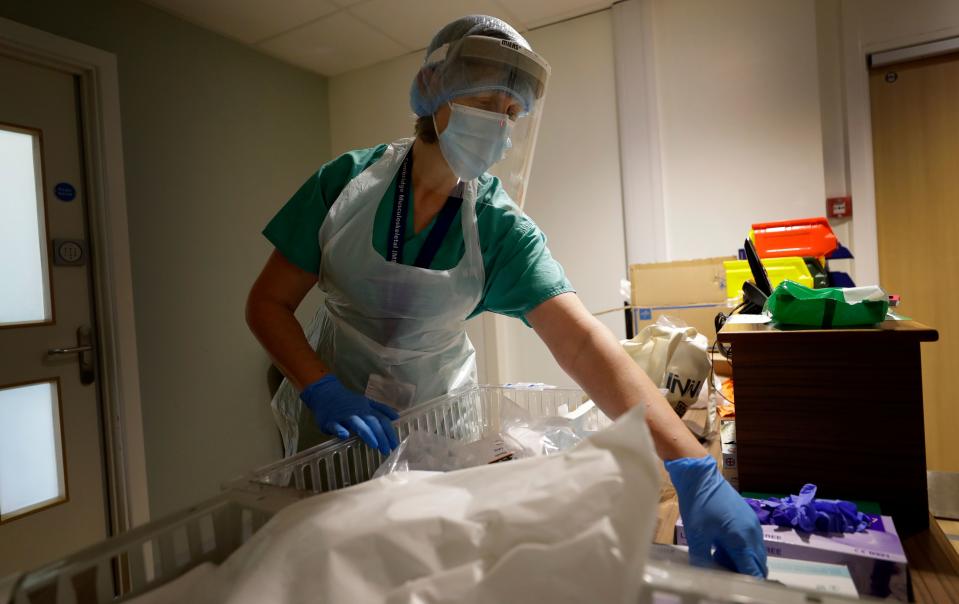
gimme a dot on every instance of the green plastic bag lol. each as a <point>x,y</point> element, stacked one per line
<point>795,304</point>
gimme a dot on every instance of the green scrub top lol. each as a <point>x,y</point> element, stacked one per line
<point>521,273</point>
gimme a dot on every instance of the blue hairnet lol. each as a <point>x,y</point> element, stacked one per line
<point>425,102</point>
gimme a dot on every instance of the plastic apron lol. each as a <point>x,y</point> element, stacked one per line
<point>394,332</point>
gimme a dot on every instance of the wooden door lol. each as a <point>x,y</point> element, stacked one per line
<point>915,129</point>
<point>52,476</point>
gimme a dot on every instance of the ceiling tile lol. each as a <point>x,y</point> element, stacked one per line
<point>414,22</point>
<point>332,45</point>
<point>247,20</point>
<point>542,12</point>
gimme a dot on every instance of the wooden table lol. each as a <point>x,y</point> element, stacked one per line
<point>839,408</point>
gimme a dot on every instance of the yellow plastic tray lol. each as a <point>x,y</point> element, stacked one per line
<point>779,269</point>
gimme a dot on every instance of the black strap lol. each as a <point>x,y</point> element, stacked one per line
<point>396,236</point>
<point>442,226</point>
<point>828,312</point>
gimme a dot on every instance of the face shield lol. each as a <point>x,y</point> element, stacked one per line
<point>495,76</point>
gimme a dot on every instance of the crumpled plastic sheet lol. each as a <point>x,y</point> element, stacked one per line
<point>571,527</point>
<point>547,435</point>
<point>520,436</point>
<point>423,451</point>
<point>806,513</point>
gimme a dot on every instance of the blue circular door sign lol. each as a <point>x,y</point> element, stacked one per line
<point>65,191</point>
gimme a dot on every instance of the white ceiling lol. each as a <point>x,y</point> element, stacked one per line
<point>334,36</point>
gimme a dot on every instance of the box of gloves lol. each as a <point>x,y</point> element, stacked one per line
<point>875,557</point>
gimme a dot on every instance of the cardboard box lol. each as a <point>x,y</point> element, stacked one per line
<point>875,557</point>
<point>701,317</point>
<point>721,365</point>
<point>693,291</point>
<point>681,283</point>
<point>730,471</point>
<point>832,579</point>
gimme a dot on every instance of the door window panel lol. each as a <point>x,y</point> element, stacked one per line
<point>31,452</point>
<point>24,280</point>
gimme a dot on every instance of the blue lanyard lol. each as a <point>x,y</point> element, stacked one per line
<point>397,235</point>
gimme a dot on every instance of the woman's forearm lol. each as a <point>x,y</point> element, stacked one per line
<point>275,295</point>
<point>281,335</point>
<point>591,355</point>
<point>616,383</point>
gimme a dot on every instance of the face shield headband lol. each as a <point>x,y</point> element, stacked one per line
<point>475,64</point>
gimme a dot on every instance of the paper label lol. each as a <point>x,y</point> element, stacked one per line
<point>493,449</point>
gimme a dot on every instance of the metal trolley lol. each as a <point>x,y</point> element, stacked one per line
<point>152,555</point>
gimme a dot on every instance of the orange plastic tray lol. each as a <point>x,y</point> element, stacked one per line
<point>803,237</point>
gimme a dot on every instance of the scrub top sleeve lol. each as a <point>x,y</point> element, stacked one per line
<point>295,229</point>
<point>523,273</point>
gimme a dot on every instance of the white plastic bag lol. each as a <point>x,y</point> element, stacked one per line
<point>572,527</point>
<point>674,357</point>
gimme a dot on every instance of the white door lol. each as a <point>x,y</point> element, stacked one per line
<point>52,485</point>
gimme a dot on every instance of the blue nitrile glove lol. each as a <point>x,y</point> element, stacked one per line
<point>339,411</point>
<point>714,514</point>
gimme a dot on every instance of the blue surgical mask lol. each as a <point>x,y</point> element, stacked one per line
<point>474,140</point>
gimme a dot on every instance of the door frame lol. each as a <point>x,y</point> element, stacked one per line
<point>119,376</point>
<point>858,120</point>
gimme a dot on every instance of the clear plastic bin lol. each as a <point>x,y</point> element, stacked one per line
<point>466,414</point>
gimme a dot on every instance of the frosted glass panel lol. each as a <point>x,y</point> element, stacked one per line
<point>31,457</point>
<point>23,250</point>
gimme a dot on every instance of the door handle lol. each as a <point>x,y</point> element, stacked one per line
<point>70,350</point>
<point>84,348</point>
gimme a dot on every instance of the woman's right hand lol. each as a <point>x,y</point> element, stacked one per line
<point>341,412</point>
<point>270,309</point>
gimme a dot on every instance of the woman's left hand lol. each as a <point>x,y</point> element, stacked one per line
<point>714,514</point>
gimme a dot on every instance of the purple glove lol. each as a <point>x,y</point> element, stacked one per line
<point>804,512</point>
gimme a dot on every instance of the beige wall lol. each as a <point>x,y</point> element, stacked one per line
<point>866,26</point>
<point>739,119</point>
<point>831,103</point>
<point>763,111</point>
<point>216,137</point>
<point>893,23</point>
<point>372,106</point>
<point>574,192</point>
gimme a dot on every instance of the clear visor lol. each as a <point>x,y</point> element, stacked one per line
<point>499,76</point>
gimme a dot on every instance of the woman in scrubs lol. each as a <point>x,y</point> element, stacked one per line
<point>408,240</point>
